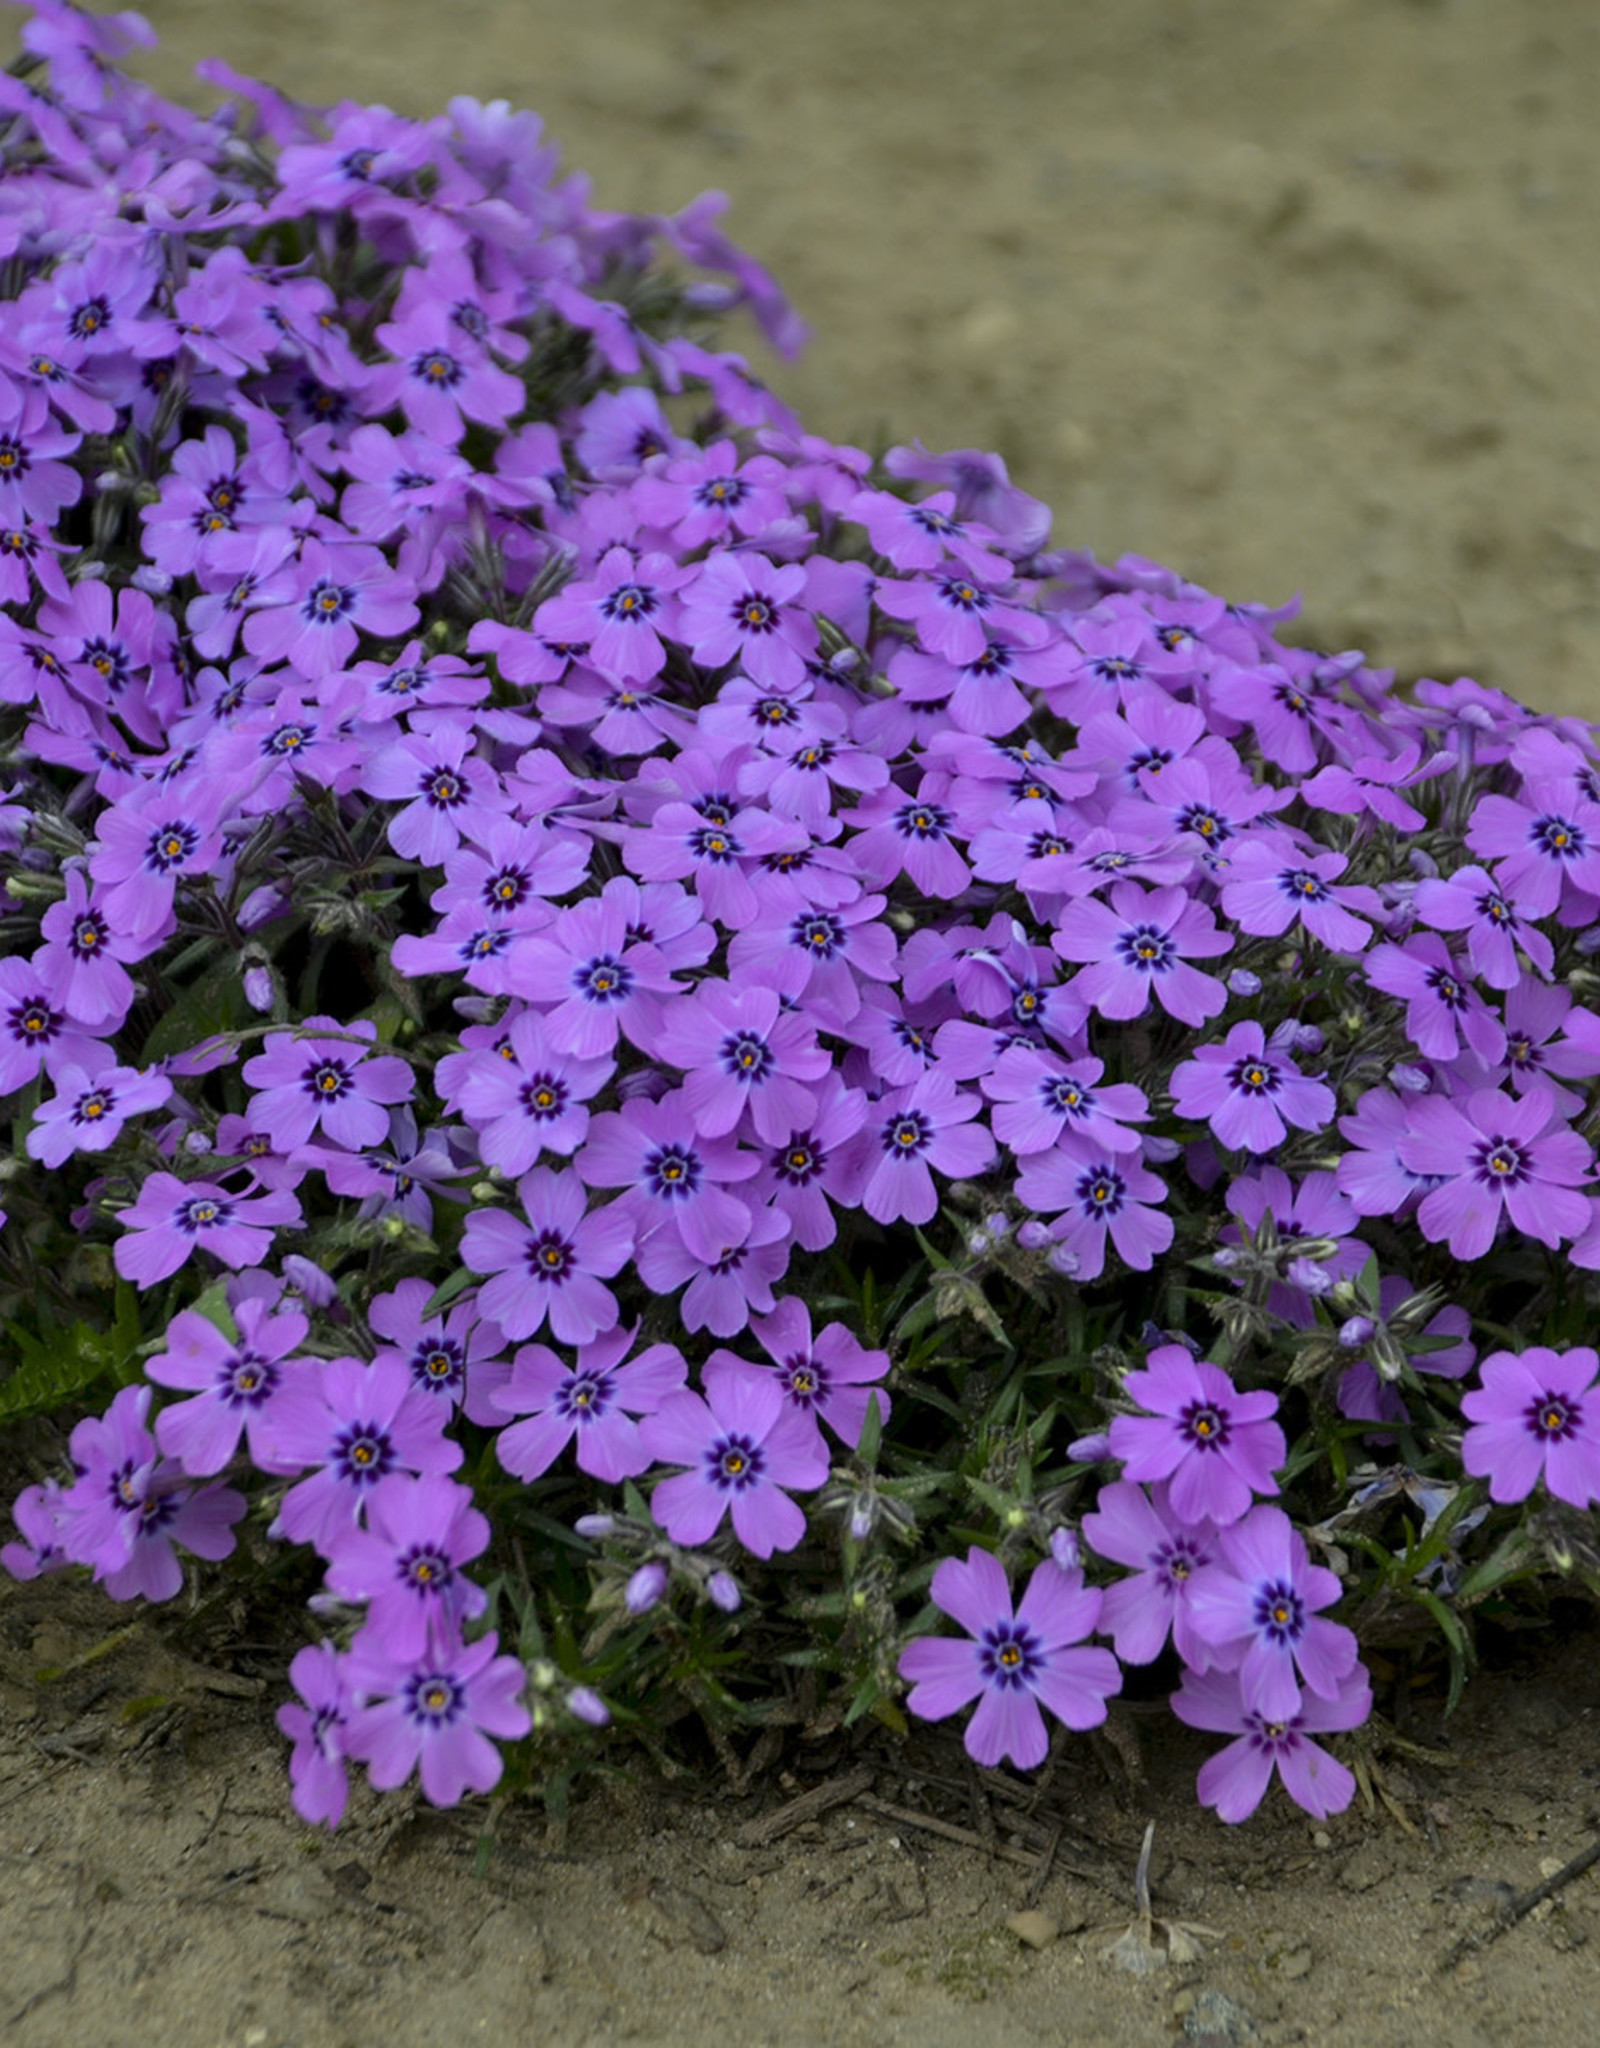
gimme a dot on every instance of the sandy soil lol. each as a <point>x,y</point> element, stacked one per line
<point>1294,298</point>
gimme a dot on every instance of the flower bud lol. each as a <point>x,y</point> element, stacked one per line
<point>584,1702</point>
<point>646,1586</point>
<point>1064,1549</point>
<point>1033,1235</point>
<point>1356,1332</point>
<point>724,1591</point>
<point>1308,1275</point>
<point>595,1527</point>
<point>1241,982</point>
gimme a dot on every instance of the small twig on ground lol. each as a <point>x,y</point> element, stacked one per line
<point>904,1817</point>
<point>1523,1904</point>
<point>809,1806</point>
<point>1041,1877</point>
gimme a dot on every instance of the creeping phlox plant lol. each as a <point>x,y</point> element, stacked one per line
<point>623,1023</point>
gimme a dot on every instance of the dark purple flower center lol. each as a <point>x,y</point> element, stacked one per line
<point>1029,1004</point>
<point>960,595</point>
<point>433,1699</point>
<point>1204,1426</point>
<point>94,1107</point>
<point>630,604</point>
<point>755,614</point>
<point>604,979</point>
<point>1446,987</point>
<point>1177,1560</point>
<point>357,163</point>
<point>734,1463</point>
<point>1208,824</point>
<point>907,1135</point>
<point>819,934</point>
<point>932,521</point>
<point>714,843</point>
<point>33,1022</point>
<point>1254,1077</point>
<point>1554,1417</point>
<point>507,890</point>
<point>169,847</point>
<point>13,459</point>
<point>92,317</point>
<point>799,1162</point>
<point>716,808</point>
<point>672,1172</point>
<point>1010,1656</point>
<point>551,1257</point>
<point>720,493</point>
<point>89,936</point>
<point>807,1381</point>
<point>1046,846</point>
<point>202,1212</point>
<point>289,739</point>
<point>1301,886</point>
<point>327,1080</point>
<point>816,756</point>
<point>445,788</point>
<point>1497,910</point>
<point>362,1454</point>
<point>1558,838</point>
<point>1500,1162</point>
<point>1101,1191</point>
<point>1115,668</point>
<point>437,369</point>
<point>1146,949</point>
<point>746,1057</point>
<point>1280,1613</point>
<point>583,1397</point>
<point>109,660</point>
<point>1063,1096</point>
<point>437,1363</point>
<point>245,1380</point>
<point>327,602</point>
<point>484,946</point>
<point>423,1569</point>
<point>1149,760</point>
<point>544,1097</point>
<point>771,711</point>
<point>921,821</point>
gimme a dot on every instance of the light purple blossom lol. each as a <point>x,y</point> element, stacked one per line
<point>1138,947</point>
<point>328,1082</point>
<point>1259,1610</point>
<point>1216,1447</point>
<point>742,1445</point>
<point>172,1219</point>
<point>1536,1415</point>
<point>552,1261</point>
<point>1250,1093</point>
<point>593,1404</point>
<point>436,1717</point>
<point>1015,1662</point>
<point>1168,1554</point>
<point>1235,1780</point>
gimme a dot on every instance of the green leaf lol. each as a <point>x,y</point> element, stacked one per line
<point>58,1369</point>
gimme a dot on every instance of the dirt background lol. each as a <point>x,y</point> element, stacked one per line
<point>1293,298</point>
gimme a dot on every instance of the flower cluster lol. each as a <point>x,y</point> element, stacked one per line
<point>528,874</point>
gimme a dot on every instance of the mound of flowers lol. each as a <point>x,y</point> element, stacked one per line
<point>647,1054</point>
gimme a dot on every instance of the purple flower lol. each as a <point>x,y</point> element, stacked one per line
<point>742,1444</point>
<point>1039,1101</point>
<point>356,1424</point>
<point>1543,844</point>
<point>1015,1663</point>
<point>530,1098</point>
<point>1235,1780</point>
<point>315,1726</point>
<point>36,1035</point>
<point>1138,946</point>
<point>592,978</point>
<point>1096,1197</point>
<point>326,1083</point>
<point>592,1404</point>
<point>446,790</point>
<point>669,1173</point>
<point>88,1111</point>
<point>406,1563</point>
<point>1168,1555</point>
<point>452,1356</point>
<point>234,1382</point>
<point>147,844</point>
<point>619,614</point>
<point>828,1376</point>
<point>916,1130</point>
<point>437,1715</point>
<point>1217,1447</point>
<point>1258,1610</point>
<point>1495,1155</point>
<point>1536,1416</point>
<point>741,1052</point>
<point>741,607</point>
<point>1248,1093</point>
<point>1273,882</point>
<point>554,1263</point>
<point>1470,900</point>
<point>172,1219</point>
<point>1442,1008</point>
<point>313,610</point>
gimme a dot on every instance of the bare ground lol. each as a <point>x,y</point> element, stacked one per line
<point>1294,298</point>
